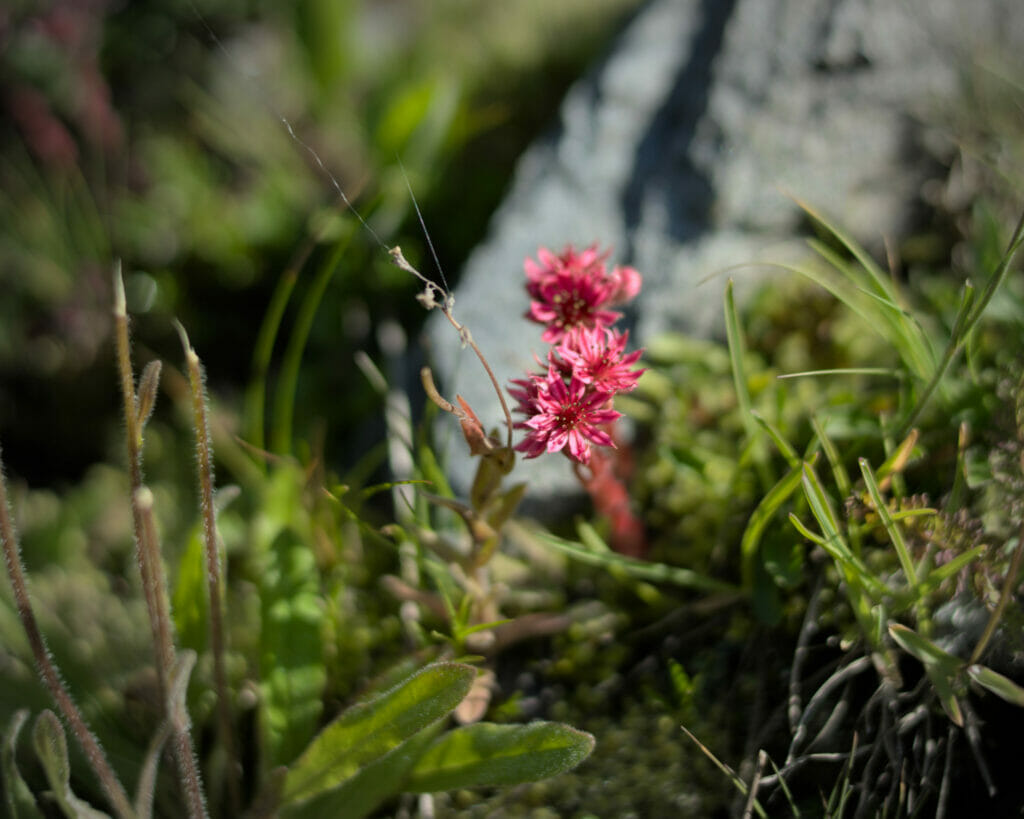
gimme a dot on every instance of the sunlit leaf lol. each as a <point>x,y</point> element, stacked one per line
<point>485,754</point>
<point>291,647</point>
<point>367,731</point>
<point>370,786</point>
<point>923,649</point>
<point>998,684</point>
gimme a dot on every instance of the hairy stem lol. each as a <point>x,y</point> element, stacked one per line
<point>133,437</point>
<point>147,553</point>
<point>109,782</point>
<point>213,572</point>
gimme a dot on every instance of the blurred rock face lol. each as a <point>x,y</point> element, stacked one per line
<point>686,148</point>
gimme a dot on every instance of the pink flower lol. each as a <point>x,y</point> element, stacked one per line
<point>587,263</point>
<point>598,358</point>
<point>567,404</point>
<point>627,282</point>
<point>574,290</point>
<point>561,416</point>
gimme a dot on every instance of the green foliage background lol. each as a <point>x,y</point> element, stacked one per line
<point>174,159</point>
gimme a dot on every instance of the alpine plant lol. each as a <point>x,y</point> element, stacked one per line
<point>568,404</point>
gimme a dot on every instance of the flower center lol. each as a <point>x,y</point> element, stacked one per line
<point>572,309</point>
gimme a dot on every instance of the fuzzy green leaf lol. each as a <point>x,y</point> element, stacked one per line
<point>998,684</point>
<point>17,795</point>
<point>291,646</point>
<point>368,731</point>
<point>372,784</point>
<point>148,385</point>
<point>52,749</point>
<point>485,754</point>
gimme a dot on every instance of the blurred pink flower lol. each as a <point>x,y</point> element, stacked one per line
<point>561,416</point>
<point>574,290</point>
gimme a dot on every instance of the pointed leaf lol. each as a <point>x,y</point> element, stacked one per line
<point>486,754</point>
<point>895,535</point>
<point>998,684</point>
<point>923,649</point>
<point>148,384</point>
<point>947,696</point>
<point>940,666</point>
<point>52,749</point>
<point>372,785</point>
<point>368,731</point>
<point>18,797</point>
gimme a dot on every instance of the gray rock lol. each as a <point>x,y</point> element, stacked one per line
<point>684,150</point>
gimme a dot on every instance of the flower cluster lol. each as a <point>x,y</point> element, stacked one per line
<point>570,401</point>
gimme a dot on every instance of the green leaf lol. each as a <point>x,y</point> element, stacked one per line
<point>833,541</point>
<point>923,649</point>
<point>485,754</point>
<point>52,749</point>
<point>895,535</point>
<point>191,603</point>
<point>291,647</point>
<point>372,785</point>
<point>941,666</point>
<point>943,684</point>
<point>368,731</point>
<point>784,446</point>
<point>998,684</point>
<point>17,794</point>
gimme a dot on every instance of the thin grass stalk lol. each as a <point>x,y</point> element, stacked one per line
<point>972,310</point>
<point>737,354</point>
<point>200,424</point>
<point>287,386</point>
<point>256,393</point>
<point>111,785</point>
<point>956,340</point>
